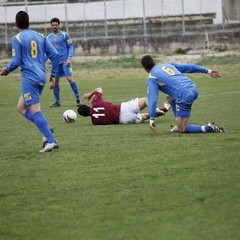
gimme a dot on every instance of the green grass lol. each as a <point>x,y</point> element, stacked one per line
<point>122,181</point>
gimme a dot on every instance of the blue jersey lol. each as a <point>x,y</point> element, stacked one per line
<point>62,42</point>
<point>169,78</point>
<point>29,51</point>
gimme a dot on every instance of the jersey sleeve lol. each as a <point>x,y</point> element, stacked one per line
<point>53,55</point>
<point>69,46</point>
<point>190,68</point>
<point>16,54</point>
<point>97,96</point>
<point>152,88</point>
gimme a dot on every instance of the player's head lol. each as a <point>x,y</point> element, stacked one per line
<point>55,23</point>
<point>84,110</point>
<point>55,20</point>
<point>147,62</point>
<point>22,20</point>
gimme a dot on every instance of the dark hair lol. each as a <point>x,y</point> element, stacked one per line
<point>55,20</point>
<point>22,20</point>
<point>84,110</point>
<point>147,62</point>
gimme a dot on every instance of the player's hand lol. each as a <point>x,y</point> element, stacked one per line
<point>3,72</point>
<point>87,96</point>
<point>152,126</point>
<point>68,62</point>
<point>215,74</point>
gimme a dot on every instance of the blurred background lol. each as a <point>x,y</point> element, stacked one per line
<point>118,27</point>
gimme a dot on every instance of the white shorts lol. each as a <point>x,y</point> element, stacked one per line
<point>130,112</point>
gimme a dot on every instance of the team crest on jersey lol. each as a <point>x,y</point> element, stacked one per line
<point>177,108</point>
<point>27,96</point>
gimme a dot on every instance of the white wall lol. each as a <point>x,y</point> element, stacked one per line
<point>114,10</point>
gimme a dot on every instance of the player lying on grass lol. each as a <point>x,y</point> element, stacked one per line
<point>181,90</point>
<point>103,112</point>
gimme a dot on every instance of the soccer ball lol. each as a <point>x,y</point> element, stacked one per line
<point>69,116</point>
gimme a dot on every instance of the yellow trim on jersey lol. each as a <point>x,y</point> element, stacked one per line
<point>159,83</point>
<point>151,76</point>
<point>18,37</point>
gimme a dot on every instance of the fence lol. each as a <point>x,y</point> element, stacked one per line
<point>92,20</point>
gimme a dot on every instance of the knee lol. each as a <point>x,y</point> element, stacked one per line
<point>21,110</point>
<point>70,80</point>
<point>181,130</point>
<point>169,99</point>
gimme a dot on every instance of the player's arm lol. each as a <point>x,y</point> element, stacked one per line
<point>89,95</point>
<point>70,49</point>
<point>152,101</point>
<point>194,68</point>
<point>53,55</point>
<point>16,57</point>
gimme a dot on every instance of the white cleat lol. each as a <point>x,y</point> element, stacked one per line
<point>49,147</point>
<point>174,129</point>
<point>215,128</point>
<point>44,139</point>
<point>166,105</point>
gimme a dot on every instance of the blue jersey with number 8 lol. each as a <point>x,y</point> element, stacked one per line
<point>29,50</point>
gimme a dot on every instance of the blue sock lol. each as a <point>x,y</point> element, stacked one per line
<point>56,91</point>
<point>173,107</point>
<point>75,89</point>
<point>197,129</point>
<point>43,126</point>
<point>28,115</point>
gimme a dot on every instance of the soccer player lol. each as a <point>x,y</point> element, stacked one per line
<point>182,92</point>
<point>62,42</point>
<point>29,51</point>
<point>103,112</point>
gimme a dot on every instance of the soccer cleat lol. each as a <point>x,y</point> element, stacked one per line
<point>49,147</point>
<point>215,128</point>
<point>55,105</point>
<point>78,103</point>
<point>159,112</point>
<point>174,129</point>
<point>44,139</point>
<point>166,105</point>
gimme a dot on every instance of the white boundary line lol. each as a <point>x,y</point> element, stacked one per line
<point>215,94</point>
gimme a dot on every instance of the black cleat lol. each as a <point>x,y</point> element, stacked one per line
<point>55,105</point>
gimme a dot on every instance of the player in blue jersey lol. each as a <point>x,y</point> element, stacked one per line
<point>182,92</point>
<point>29,51</point>
<point>62,42</point>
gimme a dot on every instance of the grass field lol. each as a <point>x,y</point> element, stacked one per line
<point>122,181</point>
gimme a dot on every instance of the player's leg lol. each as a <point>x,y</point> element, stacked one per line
<point>183,127</point>
<point>56,92</point>
<point>31,96</point>
<point>172,103</point>
<point>145,116</point>
<point>142,103</point>
<point>23,109</point>
<point>68,73</point>
<point>74,87</point>
<point>183,111</point>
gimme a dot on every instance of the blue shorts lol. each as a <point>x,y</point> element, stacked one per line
<point>31,92</point>
<point>64,71</point>
<point>183,107</point>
